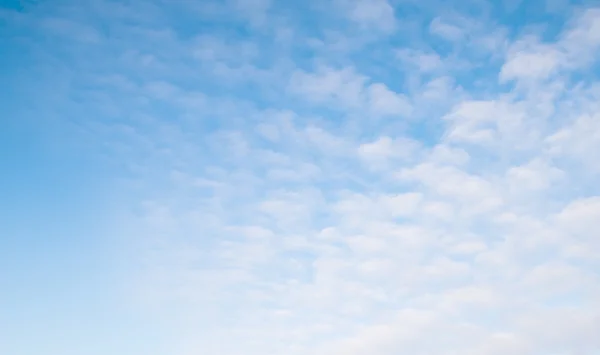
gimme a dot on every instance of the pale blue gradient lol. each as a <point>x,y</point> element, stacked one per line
<point>192,177</point>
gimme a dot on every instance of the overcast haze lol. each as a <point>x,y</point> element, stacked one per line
<point>270,177</point>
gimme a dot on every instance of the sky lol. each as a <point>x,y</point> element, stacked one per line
<point>318,177</point>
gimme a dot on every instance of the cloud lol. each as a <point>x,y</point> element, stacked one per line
<point>254,10</point>
<point>446,30</point>
<point>535,175</point>
<point>530,58</point>
<point>386,147</point>
<point>370,14</point>
<point>345,89</point>
<point>535,62</point>
<point>424,61</point>
<point>384,102</point>
<point>352,189</point>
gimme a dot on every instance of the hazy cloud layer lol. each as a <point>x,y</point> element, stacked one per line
<point>343,177</point>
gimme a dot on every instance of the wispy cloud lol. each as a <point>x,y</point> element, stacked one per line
<point>309,178</point>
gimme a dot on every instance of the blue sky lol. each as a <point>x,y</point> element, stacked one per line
<point>271,177</point>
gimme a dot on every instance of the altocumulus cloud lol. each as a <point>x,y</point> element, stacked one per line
<point>340,177</point>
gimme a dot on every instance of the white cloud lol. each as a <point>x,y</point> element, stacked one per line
<point>346,89</point>
<point>576,47</point>
<point>279,210</point>
<point>383,149</point>
<point>475,194</point>
<point>448,155</point>
<point>343,87</point>
<point>371,14</point>
<point>210,48</point>
<point>577,140</point>
<point>384,102</point>
<point>579,220</point>
<point>254,10</point>
<point>424,61</point>
<point>531,62</point>
<point>535,175</point>
<point>446,29</point>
